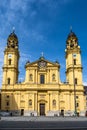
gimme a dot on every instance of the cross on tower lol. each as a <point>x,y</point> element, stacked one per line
<point>42,54</point>
<point>13,29</point>
<point>71,28</point>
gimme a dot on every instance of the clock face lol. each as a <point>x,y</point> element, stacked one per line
<point>42,64</point>
<point>9,55</point>
<point>74,55</point>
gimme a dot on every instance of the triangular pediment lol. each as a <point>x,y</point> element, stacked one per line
<point>42,62</point>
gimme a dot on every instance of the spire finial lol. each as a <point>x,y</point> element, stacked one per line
<point>13,29</point>
<point>70,28</point>
<point>42,54</point>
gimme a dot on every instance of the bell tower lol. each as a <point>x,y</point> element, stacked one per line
<point>11,59</point>
<point>73,60</point>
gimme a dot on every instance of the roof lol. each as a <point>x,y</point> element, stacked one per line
<point>28,63</point>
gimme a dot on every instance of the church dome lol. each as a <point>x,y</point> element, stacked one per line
<point>72,39</point>
<point>12,41</point>
<point>72,35</point>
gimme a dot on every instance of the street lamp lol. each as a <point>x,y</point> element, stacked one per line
<point>73,55</point>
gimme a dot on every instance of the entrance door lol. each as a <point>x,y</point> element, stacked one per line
<point>22,112</point>
<point>42,109</point>
<point>62,112</point>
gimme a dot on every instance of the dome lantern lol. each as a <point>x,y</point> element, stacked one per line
<point>12,41</point>
<point>72,40</point>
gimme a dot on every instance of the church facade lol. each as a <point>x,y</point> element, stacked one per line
<point>42,92</point>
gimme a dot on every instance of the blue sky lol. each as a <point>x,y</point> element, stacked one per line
<point>43,26</point>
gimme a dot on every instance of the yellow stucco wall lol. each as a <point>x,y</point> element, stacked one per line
<point>48,98</point>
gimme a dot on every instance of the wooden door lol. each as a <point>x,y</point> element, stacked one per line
<point>42,109</point>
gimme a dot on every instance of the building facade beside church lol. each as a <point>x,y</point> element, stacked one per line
<point>42,92</point>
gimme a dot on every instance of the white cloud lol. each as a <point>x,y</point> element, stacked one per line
<point>18,5</point>
<point>24,57</point>
<point>22,61</point>
<point>10,12</point>
<point>85,83</point>
<point>37,36</point>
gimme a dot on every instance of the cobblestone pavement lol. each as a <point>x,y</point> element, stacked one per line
<point>43,118</point>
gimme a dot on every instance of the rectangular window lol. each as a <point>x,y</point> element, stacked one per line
<point>7,96</point>
<point>7,103</point>
<point>8,80</point>
<point>76,97</point>
<point>74,61</point>
<point>42,80</point>
<point>9,61</point>
<point>75,81</point>
<point>77,104</point>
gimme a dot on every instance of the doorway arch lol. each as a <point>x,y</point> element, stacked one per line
<point>42,107</point>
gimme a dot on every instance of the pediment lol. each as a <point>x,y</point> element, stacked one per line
<point>42,63</point>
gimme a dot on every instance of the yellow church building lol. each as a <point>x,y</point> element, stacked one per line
<point>42,92</point>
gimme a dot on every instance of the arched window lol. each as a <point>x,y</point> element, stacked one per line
<point>30,102</point>
<point>54,102</point>
<point>53,77</point>
<point>30,77</point>
<point>9,61</point>
<point>8,81</point>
